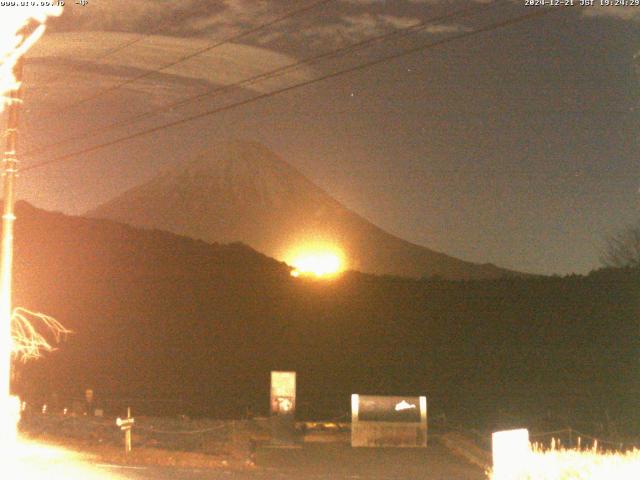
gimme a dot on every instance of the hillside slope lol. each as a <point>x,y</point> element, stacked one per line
<point>156,315</point>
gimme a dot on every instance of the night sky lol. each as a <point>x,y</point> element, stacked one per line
<point>518,146</point>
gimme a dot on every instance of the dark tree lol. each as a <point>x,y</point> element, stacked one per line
<point>623,249</point>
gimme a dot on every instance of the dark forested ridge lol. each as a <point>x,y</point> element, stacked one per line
<point>159,315</point>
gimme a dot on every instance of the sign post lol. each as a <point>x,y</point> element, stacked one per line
<point>283,407</point>
<point>126,425</point>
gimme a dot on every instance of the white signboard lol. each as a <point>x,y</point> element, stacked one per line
<point>283,393</point>
<point>387,421</point>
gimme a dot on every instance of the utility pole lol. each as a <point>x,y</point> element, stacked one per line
<point>9,167</point>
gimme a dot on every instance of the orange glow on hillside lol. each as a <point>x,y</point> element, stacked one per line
<point>319,262</point>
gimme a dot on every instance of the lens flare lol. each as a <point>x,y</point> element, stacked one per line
<point>33,461</point>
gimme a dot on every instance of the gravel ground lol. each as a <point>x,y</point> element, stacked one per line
<point>327,461</point>
<point>209,450</point>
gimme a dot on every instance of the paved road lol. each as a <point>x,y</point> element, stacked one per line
<point>324,462</point>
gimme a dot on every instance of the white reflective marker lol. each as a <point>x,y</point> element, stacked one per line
<point>511,454</point>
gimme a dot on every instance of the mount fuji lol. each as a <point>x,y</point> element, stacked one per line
<point>243,192</point>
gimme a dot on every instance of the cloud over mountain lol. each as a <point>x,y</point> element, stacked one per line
<point>333,23</point>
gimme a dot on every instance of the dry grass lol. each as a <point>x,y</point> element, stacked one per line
<point>574,464</point>
<point>198,443</point>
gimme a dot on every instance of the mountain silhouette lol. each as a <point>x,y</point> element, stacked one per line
<point>243,192</point>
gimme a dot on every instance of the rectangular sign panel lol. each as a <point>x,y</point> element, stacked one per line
<point>390,409</point>
<point>283,393</point>
<point>388,421</point>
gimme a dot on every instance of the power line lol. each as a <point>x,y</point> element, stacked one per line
<point>191,55</point>
<point>369,64</point>
<point>267,75</point>
<point>362,66</point>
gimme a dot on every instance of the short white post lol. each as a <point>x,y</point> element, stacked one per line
<point>126,425</point>
<point>511,454</point>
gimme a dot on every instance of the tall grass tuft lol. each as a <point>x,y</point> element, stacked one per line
<point>557,463</point>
